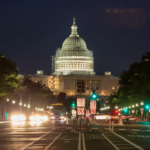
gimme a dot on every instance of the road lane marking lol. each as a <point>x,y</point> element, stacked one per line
<point>110,142</point>
<point>79,142</point>
<point>31,143</point>
<point>83,141</point>
<point>140,148</point>
<point>52,142</point>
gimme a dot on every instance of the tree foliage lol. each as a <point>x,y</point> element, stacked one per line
<point>9,81</point>
<point>135,82</point>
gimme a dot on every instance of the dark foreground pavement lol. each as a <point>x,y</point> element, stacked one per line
<point>46,136</point>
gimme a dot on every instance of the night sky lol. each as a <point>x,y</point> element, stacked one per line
<point>118,32</point>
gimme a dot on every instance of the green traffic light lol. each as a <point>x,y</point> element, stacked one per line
<point>94,95</point>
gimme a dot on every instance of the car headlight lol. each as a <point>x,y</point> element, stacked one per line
<point>45,118</point>
<point>21,118</point>
<point>14,118</point>
<point>18,118</point>
<point>37,118</point>
<point>32,118</point>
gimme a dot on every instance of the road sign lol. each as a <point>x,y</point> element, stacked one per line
<point>93,105</point>
<point>80,102</point>
<point>141,109</point>
<point>87,113</point>
<point>73,112</point>
<point>93,111</point>
<point>80,111</point>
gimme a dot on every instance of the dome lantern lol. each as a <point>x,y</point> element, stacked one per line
<point>74,28</point>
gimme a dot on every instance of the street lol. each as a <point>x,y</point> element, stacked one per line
<point>59,136</point>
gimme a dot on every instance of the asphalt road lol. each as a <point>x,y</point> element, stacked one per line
<point>59,136</point>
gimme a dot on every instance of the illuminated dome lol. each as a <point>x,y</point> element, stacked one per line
<point>73,57</point>
<point>73,42</point>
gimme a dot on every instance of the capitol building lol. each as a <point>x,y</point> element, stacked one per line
<point>74,63</point>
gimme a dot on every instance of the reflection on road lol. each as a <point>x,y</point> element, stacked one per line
<point>18,123</point>
<point>35,122</point>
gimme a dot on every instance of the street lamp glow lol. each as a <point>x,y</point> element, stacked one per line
<point>25,105</point>
<point>137,105</point>
<point>116,107</point>
<point>142,103</point>
<point>132,105</point>
<point>129,106</point>
<point>108,107</point>
<point>7,100</point>
<point>126,107</point>
<point>121,108</point>
<point>13,102</point>
<point>20,104</point>
<point>35,108</point>
<point>28,106</point>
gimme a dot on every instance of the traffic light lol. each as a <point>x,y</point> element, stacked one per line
<point>116,111</point>
<point>94,95</point>
<point>73,105</point>
<point>147,106</point>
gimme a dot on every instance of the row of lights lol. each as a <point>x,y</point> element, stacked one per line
<point>50,107</point>
<point>25,105</point>
<point>39,109</point>
<point>105,108</point>
<point>136,105</point>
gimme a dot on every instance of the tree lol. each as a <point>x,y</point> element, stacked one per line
<point>135,83</point>
<point>9,80</point>
<point>40,95</point>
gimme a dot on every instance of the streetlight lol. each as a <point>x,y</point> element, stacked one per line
<point>132,105</point>
<point>142,103</point>
<point>13,102</point>
<point>7,100</point>
<point>137,105</point>
<point>116,107</point>
<point>25,105</point>
<point>29,93</point>
<point>20,104</point>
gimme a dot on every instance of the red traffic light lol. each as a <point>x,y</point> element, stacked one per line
<point>116,111</point>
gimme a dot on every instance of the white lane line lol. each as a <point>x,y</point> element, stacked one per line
<point>83,141</point>
<point>53,142</point>
<point>110,142</point>
<point>37,139</point>
<point>133,144</point>
<point>121,129</point>
<point>135,130</point>
<point>79,142</point>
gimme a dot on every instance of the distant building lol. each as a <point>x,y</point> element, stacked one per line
<point>73,63</point>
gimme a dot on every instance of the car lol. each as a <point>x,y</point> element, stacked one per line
<point>57,117</point>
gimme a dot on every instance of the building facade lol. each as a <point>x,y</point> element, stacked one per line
<point>73,63</point>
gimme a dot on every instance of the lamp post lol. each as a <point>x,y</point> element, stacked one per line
<point>29,96</point>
